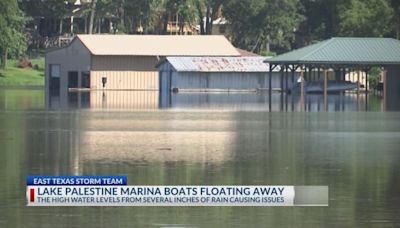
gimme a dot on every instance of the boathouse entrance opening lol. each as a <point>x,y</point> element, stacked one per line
<point>336,61</point>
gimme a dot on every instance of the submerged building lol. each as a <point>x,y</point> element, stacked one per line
<point>125,62</point>
<point>346,55</point>
<point>121,62</point>
<point>216,74</point>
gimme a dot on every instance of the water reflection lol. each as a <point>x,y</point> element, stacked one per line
<point>148,147</point>
<point>104,100</point>
<point>151,100</point>
<point>21,99</point>
<point>355,153</point>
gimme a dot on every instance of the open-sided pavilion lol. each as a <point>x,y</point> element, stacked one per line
<point>342,55</point>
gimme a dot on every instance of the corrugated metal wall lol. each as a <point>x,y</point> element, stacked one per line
<point>220,80</point>
<point>146,100</point>
<point>124,72</point>
<point>233,80</point>
<point>125,80</point>
<point>124,63</point>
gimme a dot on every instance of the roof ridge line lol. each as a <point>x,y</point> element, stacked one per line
<point>355,37</point>
<point>327,42</point>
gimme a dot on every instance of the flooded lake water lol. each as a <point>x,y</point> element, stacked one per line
<point>350,144</point>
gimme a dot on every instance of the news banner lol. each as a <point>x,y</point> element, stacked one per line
<point>115,191</point>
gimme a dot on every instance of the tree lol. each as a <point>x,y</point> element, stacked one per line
<point>257,24</point>
<point>396,18</point>
<point>54,10</point>
<point>211,9</point>
<point>186,12</point>
<point>366,18</point>
<point>92,14</point>
<point>321,20</point>
<point>140,16</point>
<point>11,29</point>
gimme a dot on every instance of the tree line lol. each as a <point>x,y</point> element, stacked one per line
<point>261,26</point>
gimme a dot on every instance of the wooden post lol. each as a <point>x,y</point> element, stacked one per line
<point>358,81</point>
<point>325,90</point>
<point>282,75</point>
<point>384,79</point>
<point>301,88</point>
<point>282,89</point>
<point>293,72</point>
<point>270,87</point>
<point>305,74</point>
<point>270,79</point>
<point>286,88</point>
<point>286,79</point>
<point>358,90</point>
<point>366,90</point>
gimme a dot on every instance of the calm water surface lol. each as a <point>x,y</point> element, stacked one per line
<point>357,154</point>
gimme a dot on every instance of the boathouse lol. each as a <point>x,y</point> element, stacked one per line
<point>215,74</point>
<point>122,62</point>
<point>344,56</point>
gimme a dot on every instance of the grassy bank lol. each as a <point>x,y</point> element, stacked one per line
<point>14,76</point>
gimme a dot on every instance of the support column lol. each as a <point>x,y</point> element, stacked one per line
<point>344,74</point>
<point>366,90</point>
<point>305,73</point>
<point>286,88</point>
<point>282,89</point>
<point>358,90</point>
<point>282,75</point>
<point>384,79</point>
<point>301,88</point>
<point>286,80</point>
<point>270,80</point>
<point>325,90</point>
<point>291,87</point>
<point>358,82</point>
<point>343,78</point>
<point>270,87</point>
<point>293,72</point>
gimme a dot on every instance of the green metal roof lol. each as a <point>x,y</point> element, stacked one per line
<point>354,51</point>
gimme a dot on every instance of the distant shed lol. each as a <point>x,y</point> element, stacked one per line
<point>215,74</point>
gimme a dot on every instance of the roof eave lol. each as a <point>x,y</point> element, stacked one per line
<point>277,62</point>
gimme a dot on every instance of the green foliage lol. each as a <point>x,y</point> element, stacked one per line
<point>373,77</point>
<point>366,18</point>
<point>142,13</point>
<point>321,19</point>
<point>268,54</point>
<point>396,18</point>
<point>257,24</point>
<point>12,41</point>
<point>328,18</point>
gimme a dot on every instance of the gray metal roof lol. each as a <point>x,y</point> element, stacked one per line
<point>219,64</point>
<point>357,51</point>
